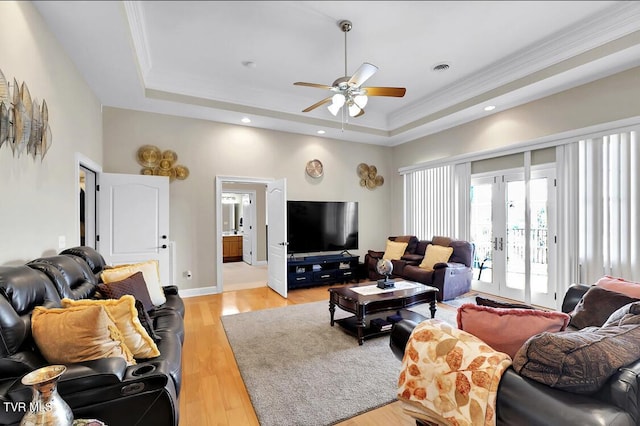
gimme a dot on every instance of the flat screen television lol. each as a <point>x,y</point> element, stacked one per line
<point>321,226</point>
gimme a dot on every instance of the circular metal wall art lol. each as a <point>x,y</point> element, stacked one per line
<point>369,177</point>
<point>181,172</point>
<point>149,155</point>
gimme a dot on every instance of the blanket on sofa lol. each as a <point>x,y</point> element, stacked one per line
<point>450,377</point>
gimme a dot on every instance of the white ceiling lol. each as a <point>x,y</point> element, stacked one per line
<point>187,58</point>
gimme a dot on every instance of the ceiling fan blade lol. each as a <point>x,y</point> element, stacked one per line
<point>397,92</point>
<point>319,86</point>
<point>359,114</point>
<point>317,104</point>
<point>362,74</point>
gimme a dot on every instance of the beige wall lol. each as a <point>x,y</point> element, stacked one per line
<point>212,149</point>
<point>39,198</point>
<point>613,98</point>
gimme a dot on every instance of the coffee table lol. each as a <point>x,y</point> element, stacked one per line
<point>366,299</point>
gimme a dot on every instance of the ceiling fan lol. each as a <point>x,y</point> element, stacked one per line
<point>348,91</point>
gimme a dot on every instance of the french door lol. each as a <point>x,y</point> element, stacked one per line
<point>513,252</point>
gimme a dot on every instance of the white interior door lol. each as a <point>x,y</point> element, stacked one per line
<point>133,220</point>
<point>277,235</point>
<point>247,228</point>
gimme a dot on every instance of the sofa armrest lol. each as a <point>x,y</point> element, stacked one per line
<point>572,296</point>
<point>375,254</point>
<point>170,289</point>
<point>400,333</point>
<point>452,265</point>
<point>623,390</point>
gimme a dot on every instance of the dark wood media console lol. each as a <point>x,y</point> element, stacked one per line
<point>323,269</point>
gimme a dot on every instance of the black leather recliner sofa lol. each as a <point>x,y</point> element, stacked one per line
<point>522,401</point>
<point>105,389</point>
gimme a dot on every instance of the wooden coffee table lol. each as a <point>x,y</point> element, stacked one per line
<point>378,301</point>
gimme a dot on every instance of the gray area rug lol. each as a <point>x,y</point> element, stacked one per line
<point>299,370</point>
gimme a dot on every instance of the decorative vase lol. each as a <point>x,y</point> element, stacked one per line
<point>47,406</point>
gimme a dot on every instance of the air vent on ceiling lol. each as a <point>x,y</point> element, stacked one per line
<point>441,67</point>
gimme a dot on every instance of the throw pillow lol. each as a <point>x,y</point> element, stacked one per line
<point>595,307</point>
<point>628,314</point>
<point>146,321</point>
<point>578,361</point>
<point>151,275</point>
<point>394,250</point>
<point>435,254</point>
<point>77,334</point>
<point>506,330</point>
<point>496,304</point>
<point>133,285</point>
<point>630,288</point>
<point>124,313</point>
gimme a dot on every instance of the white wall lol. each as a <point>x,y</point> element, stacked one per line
<point>39,200</point>
<point>209,149</point>
<point>607,100</point>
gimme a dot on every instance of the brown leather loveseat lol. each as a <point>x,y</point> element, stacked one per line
<point>452,278</point>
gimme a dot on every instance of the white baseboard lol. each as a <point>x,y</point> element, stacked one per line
<point>200,291</point>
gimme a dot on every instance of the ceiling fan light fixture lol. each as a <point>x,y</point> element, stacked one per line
<point>354,110</point>
<point>361,101</point>
<point>333,109</point>
<point>338,100</point>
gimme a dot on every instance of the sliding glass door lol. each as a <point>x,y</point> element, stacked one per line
<point>512,259</point>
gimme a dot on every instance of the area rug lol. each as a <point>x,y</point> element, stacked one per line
<point>299,370</point>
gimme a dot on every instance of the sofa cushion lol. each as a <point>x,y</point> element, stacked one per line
<point>125,315</point>
<point>620,285</point>
<point>411,240</point>
<point>506,330</point>
<point>435,254</point>
<point>596,305</point>
<point>582,361</point>
<point>77,334</point>
<point>463,252</point>
<point>134,285</point>
<point>394,250</point>
<point>151,275</point>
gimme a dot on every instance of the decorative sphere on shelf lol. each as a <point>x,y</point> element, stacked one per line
<point>384,267</point>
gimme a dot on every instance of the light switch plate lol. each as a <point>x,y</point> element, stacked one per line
<point>62,242</point>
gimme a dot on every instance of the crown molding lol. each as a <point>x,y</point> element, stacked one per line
<point>135,17</point>
<point>621,19</point>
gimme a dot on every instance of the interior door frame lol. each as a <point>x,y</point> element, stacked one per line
<point>252,195</point>
<point>220,180</point>
<point>81,160</point>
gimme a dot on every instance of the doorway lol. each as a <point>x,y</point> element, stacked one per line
<point>241,223</point>
<point>513,229</point>
<point>86,177</point>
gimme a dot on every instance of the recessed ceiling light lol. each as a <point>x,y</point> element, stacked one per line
<point>321,132</point>
<point>246,120</point>
<point>489,107</point>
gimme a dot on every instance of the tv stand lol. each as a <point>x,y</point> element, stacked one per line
<point>321,269</point>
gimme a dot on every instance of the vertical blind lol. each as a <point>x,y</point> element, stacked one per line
<point>609,205</point>
<point>430,202</point>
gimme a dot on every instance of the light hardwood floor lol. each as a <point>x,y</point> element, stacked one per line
<point>213,392</point>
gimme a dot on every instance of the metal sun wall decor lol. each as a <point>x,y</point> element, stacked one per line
<point>160,163</point>
<point>24,123</point>
<point>369,176</point>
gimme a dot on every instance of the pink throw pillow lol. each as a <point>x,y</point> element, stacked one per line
<point>506,330</point>
<point>620,285</point>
